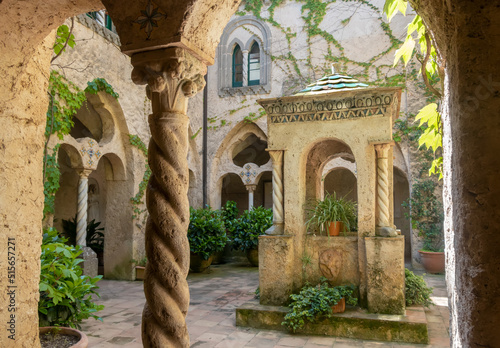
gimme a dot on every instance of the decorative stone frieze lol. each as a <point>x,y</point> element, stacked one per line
<point>172,76</point>
<point>328,110</point>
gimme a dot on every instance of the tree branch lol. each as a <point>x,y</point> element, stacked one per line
<point>424,64</point>
<point>66,42</point>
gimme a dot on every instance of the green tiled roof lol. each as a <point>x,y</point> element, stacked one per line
<point>334,82</point>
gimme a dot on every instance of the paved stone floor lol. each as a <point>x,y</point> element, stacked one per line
<point>211,317</point>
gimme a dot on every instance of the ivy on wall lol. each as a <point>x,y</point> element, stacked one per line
<point>138,200</point>
<point>65,101</point>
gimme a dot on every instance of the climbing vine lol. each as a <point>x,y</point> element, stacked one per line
<point>140,214</point>
<point>65,99</point>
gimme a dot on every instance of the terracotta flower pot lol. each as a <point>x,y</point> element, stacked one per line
<point>339,307</point>
<point>140,272</point>
<point>334,228</point>
<point>82,343</point>
<point>198,265</point>
<point>433,262</point>
<point>253,257</point>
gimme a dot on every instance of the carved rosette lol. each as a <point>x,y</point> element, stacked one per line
<point>382,184</point>
<point>172,76</point>
<point>277,157</point>
<point>81,213</point>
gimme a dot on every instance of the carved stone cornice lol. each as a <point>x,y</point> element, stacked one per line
<point>329,107</point>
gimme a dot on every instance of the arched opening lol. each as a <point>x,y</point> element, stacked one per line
<point>254,65</point>
<point>318,157</point>
<point>343,182</point>
<point>87,123</point>
<point>263,195</point>
<point>401,194</point>
<point>233,190</point>
<point>237,67</point>
<point>250,150</point>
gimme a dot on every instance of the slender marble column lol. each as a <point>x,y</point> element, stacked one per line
<point>81,213</point>
<point>172,76</point>
<point>251,190</point>
<point>245,67</point>
<point>383,227</point>
<point>278,221</point>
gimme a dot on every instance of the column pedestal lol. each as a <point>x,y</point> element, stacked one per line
<point>90,264</point>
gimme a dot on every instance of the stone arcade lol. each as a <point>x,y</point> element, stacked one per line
<point>466,33</point>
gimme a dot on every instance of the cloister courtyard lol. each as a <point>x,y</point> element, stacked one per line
<point>215,294</point>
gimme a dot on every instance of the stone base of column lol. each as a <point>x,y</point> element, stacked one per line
<point>90,263</point>
<point>385,274</point>
<point>276,229</point>
<point>386,231</point>
<point>275,269</point>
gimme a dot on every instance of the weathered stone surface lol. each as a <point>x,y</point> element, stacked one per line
<point>172,76</point>
<point>385,273</point>
<point>354,323</point>
<point>335,258</point>
<point>90,263</point>
<point>275,269</point>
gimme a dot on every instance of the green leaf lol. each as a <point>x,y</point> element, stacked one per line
<point>405,52</point>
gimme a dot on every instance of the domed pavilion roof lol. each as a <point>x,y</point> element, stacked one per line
<point>332,83</point>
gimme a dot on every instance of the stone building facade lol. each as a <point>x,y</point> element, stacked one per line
<point>239,166</point>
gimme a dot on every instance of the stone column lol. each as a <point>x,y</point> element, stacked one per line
<point>251,190</point>
<point>90,263</point>
<point>278,222</point>
<point>81,211</point>
<point>245,67</point>
<point>172,76</point>
<point>383,226</point>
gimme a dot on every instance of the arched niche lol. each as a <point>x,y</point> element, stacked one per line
<point>251,149</point>
<point>318,155</point>
<point>263,195</point>
<point>343,182</point>
<point>66,197</point>
<point>401,194</point>
<point>232,189</point>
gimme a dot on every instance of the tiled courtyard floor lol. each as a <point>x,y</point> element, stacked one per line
<point>211,317</point>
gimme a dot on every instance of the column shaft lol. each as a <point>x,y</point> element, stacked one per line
<point>81,213</point>
<point>278,218</point>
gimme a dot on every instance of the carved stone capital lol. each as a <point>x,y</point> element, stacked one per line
<point>84,173</point>
<point>172,76</point>
<point>382,149</point>
<point>251,188</point>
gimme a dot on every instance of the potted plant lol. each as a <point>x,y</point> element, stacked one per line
<point>66,295</point>
<point>332,214</point>
<point>140,268</point>
<point>314,303</point>
<point>247,230</point>
<point>426,213</point>
<point>206,235</point>
<point>229,215</point>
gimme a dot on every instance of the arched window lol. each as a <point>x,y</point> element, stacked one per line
<point>237,67</point>
<point>254,65</point>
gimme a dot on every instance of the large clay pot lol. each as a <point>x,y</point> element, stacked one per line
<point>82,343</point>
<point>253,257</point>
<point>198,265</point>
<point>334,228</point>
<point>339,307</point>
<point>433,262</point>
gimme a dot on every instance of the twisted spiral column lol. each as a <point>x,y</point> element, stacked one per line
<point>169,76</point>
<point>81,213</point>
<point>278,218</point>
<point>383,203</point>
<point>245,67</point>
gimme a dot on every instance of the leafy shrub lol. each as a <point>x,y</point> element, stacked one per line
<point>206,232</point>
<point>142,262</point>
<point>250,226</point>
<point>95,235</point>
<point>230,216</point>
<point>416,290</point>
<point>315,303</point>
<point>65,294</point>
